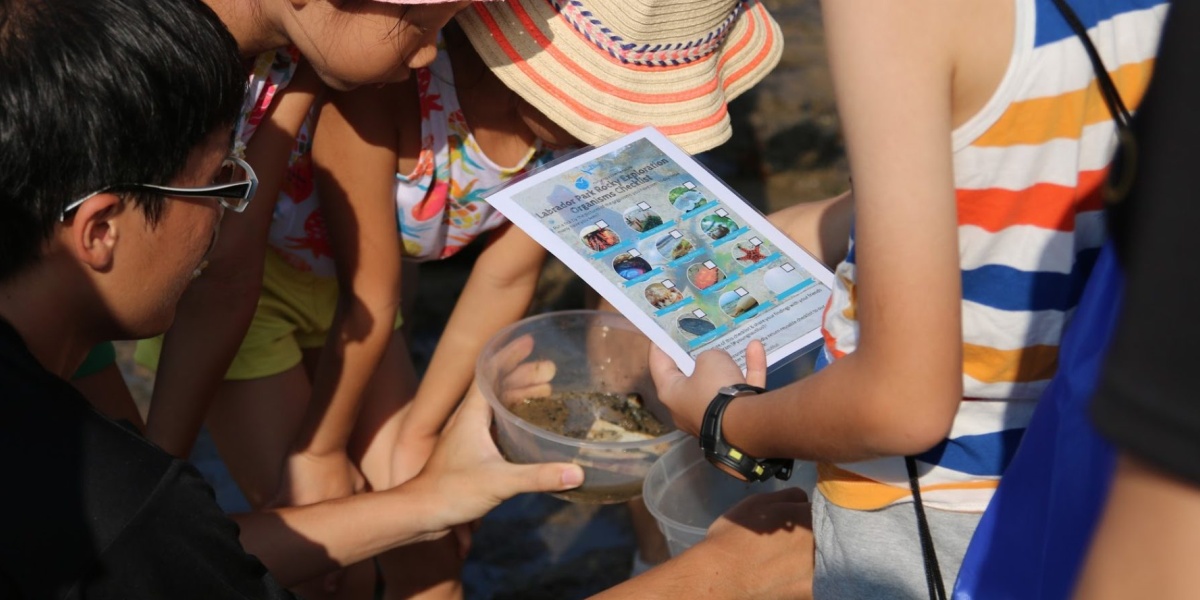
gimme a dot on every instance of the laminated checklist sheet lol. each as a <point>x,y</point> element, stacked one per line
<point>674,249</point>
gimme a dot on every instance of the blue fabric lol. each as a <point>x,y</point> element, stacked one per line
<point>1053,27</point>
<point>1006,288</point>
<point>1032,539</point>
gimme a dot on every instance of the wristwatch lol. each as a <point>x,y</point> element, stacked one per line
<point>732,460</point>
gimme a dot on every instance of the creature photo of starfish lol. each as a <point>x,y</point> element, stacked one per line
<point>749,254</point>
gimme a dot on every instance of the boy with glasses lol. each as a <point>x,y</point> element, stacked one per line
<point>103,225</point>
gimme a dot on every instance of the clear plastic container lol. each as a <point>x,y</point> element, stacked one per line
<point>591,352</point>
<point>686,493</point>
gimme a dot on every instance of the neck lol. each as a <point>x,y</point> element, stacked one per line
<point>253,24</point>
<point>40,309</point>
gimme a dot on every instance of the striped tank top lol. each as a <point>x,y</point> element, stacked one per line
<point>1028,171</point>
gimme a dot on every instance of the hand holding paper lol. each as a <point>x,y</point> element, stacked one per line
<point>688,397</point>
<point>676,251</point>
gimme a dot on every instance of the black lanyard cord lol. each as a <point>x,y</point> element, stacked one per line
<point>1104,81</point>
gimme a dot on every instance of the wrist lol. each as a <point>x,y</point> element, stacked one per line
<point>422,498</point>
<point>318,452</point>
<point>729,458</point>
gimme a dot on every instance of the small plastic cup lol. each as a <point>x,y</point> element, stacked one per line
<point>686,493</point>
<point>591,351</point>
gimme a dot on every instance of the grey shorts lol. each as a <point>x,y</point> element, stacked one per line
<point>877,553</point>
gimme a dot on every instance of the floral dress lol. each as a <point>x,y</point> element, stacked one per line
<point>439,205</point>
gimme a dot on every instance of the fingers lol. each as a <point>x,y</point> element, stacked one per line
<point>545,477</point>
<point>763,513</point>
<point>528,380</point>
<point>516,380</point>
<point>511,355</point>
<point>756,364</point>
<point>474,410</point>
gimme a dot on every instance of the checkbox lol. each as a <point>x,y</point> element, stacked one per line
<point>788,267</point>
<point>708,264</point>
<point>721,213</point>
<point>689,185</point>
<point>675,234</point>
<point>643,206</point>
<point>741,291</point>
<point>755,241</point>
<point>634,253</point>
<point>699,313</point>
<point>601,224</point>
<point>667,283</point>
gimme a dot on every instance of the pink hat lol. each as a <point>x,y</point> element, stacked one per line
<point>601,68</point>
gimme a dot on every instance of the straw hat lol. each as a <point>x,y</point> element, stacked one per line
<point>602,68</point>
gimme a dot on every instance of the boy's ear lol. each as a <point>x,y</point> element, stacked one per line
<point>94,230</point>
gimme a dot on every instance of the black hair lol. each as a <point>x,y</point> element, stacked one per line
<point>96,93</point>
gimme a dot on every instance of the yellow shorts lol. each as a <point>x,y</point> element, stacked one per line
<point>295,312</point>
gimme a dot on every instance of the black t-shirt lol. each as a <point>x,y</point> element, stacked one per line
<point>92,510</point>
<point>1149,398</point>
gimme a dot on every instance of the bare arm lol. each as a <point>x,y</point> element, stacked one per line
<point>464,479</point>
<point>1148,539</point>
<point>822,227</point>
<point>217,308</point>
<point>898,393</point>
<point>355,161</point>
<point>762,548</point>
<point>497,294</point>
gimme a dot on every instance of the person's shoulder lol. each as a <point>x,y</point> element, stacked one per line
<point>74,480</point>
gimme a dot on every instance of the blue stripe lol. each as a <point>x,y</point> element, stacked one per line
<point>674,307</point>
<point>644,276</point>
<point>1052,27</point>
<point>645,234</point>
<point>753,312</point>
<point>708,337</point>
<point>986,454</point>
<point>760,264</point>
<point>1006,288</point>
<point>693,255</point>
<point>729,237</point>
<point>792,290</point>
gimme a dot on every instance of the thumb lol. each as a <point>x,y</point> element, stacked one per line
<point>544,477</point>
<point>756,364</point>
<point>473,411</point>
<point>663,369</point>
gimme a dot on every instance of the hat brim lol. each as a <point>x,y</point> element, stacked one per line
<point>597,97</point>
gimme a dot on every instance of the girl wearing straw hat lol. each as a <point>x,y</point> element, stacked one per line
<point>401,170</point>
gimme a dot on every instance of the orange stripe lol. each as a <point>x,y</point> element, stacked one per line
<point>1039,120</point>
<point>1045,205</point>
<point>989,365</point>
<point>853,491</point>
<point>582,110</point>
<point>762,54</point>
<point>705,88</point>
